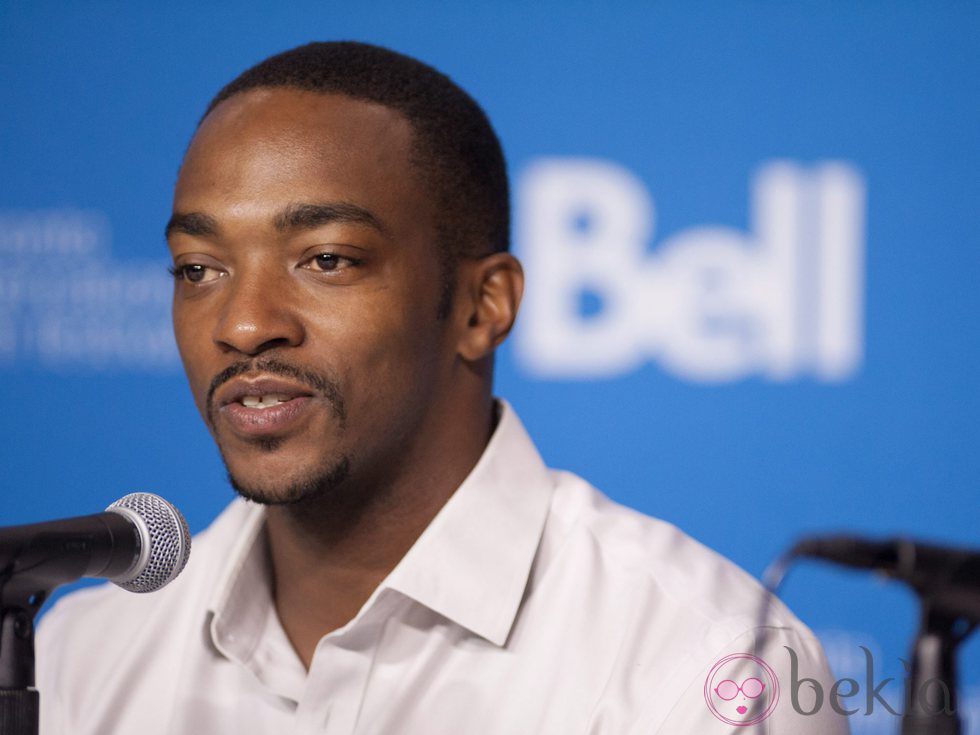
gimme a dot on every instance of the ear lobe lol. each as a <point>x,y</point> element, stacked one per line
<point>491,295</point>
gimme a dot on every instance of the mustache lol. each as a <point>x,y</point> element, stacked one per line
<point>321,384</point>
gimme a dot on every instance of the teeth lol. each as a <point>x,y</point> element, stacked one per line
<point>265,401</point>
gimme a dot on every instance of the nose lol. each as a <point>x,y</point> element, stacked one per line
<point>257,315</point>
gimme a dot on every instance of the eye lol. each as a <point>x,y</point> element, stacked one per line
<point>194,273</point>
<point>752,687</point>
<point>727,689</point>
<point>329,263</point>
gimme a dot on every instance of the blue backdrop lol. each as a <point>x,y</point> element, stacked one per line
<point>750,231</point>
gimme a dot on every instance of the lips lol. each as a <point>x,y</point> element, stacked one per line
<point>262,406</point>
<point>741,709</point>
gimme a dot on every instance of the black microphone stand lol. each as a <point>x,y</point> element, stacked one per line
<point>949,596</point>
<point>930,708</point>
<point>26,580</point>
<point>19,700</point>
<point>32,563</point>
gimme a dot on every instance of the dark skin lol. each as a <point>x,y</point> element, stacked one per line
<point>303,233</point>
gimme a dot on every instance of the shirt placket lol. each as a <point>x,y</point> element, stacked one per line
<point>339,676</point>
<point>333,692</point>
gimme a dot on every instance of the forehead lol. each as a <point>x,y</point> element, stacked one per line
<point>269,147</point>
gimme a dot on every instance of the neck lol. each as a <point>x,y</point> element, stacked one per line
<point>330,552</point>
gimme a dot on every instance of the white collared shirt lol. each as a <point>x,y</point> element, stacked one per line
<point>531,604</point>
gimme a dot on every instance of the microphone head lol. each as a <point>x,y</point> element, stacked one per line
<point>165,541</point>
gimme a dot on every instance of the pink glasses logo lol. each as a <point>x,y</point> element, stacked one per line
<point>741,690</point>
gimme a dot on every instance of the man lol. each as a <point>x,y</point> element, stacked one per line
<point>407,563</point>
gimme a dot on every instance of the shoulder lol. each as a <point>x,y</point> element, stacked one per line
<point>98,632</point>
<point>667,608</point>
<point>656,557</point>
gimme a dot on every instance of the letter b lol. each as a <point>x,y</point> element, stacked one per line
<point>585,224</point>
<point>796,682</point>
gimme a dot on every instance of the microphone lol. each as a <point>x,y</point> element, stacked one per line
<point>141,543</point>
<point>949,577</point>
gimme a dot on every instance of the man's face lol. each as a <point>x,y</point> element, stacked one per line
<point>308,281</point>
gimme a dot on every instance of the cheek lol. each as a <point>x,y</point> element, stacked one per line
<point>392,322</point>
<point>385,351</point>
<point>193,342</point>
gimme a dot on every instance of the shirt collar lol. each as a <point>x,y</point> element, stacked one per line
<point>242,597</point>
<point>470,565</point>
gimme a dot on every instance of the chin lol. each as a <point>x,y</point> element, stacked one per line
<point>280,489</point>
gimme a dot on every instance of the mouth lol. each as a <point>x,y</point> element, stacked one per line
<point>741,709</point>
<point>263,406</point>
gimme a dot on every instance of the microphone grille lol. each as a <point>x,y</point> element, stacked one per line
<point>165,541</point>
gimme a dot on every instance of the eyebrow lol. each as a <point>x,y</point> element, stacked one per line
<point>304,216</point>
<point>297,216</point>
<point>192,223</point>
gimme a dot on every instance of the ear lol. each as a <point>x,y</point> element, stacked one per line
<point>489,293</point>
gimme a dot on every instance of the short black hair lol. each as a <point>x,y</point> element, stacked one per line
<point>455,147</point>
